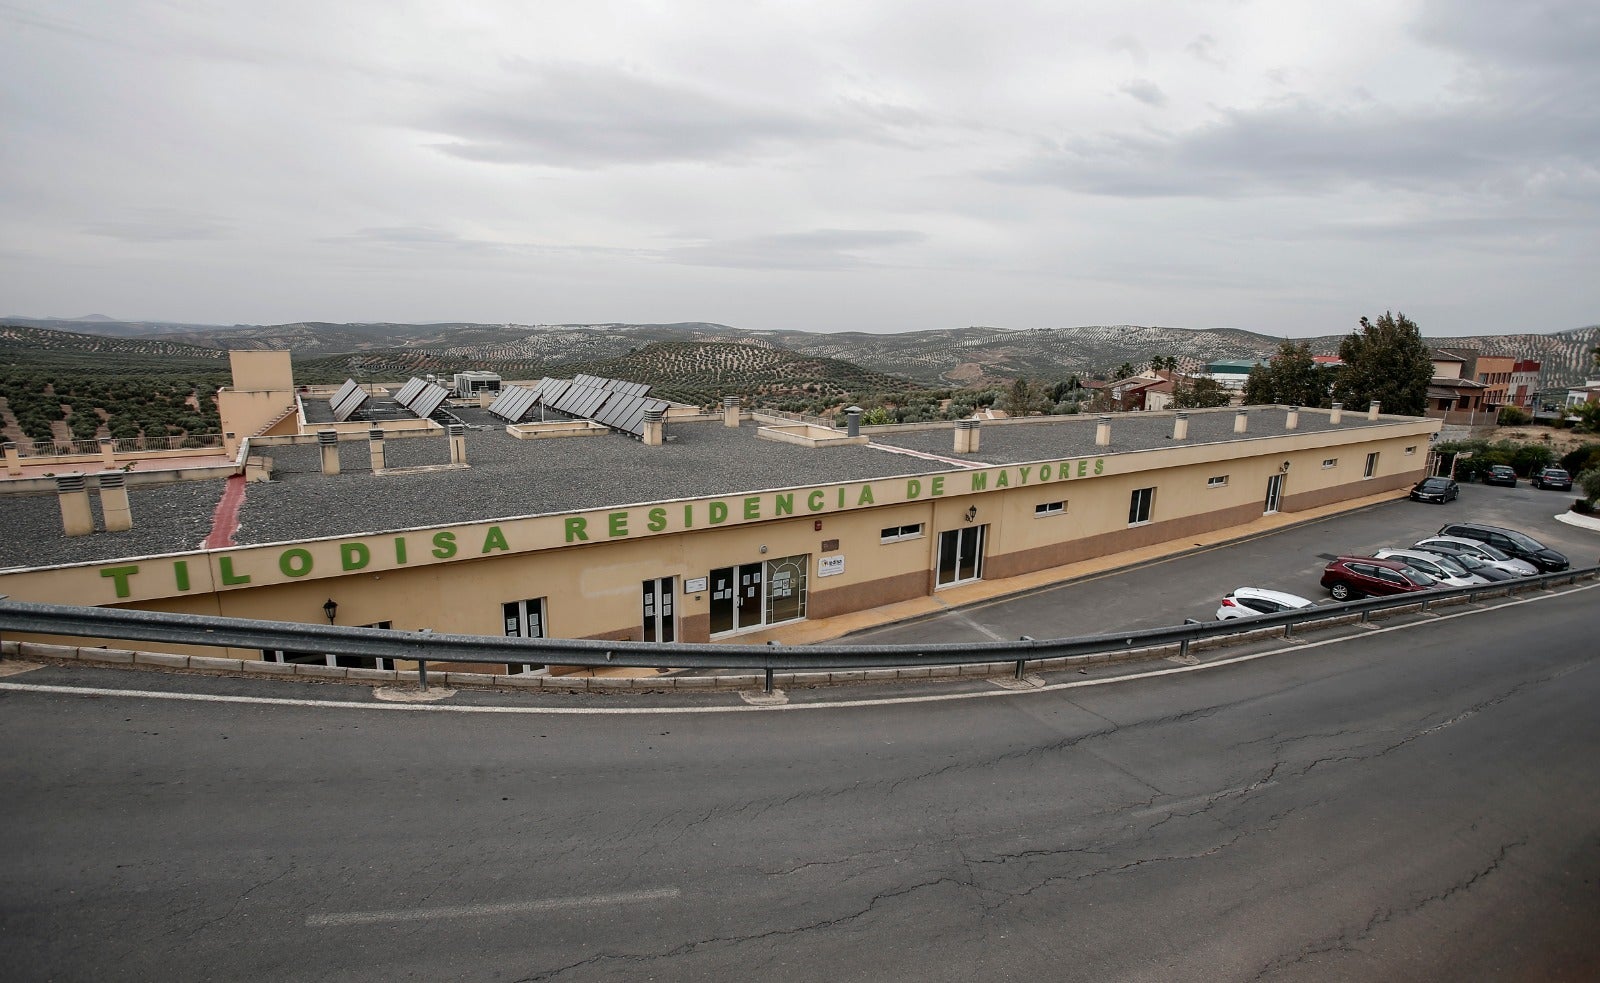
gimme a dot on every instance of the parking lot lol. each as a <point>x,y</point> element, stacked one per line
<point>1190,585</point>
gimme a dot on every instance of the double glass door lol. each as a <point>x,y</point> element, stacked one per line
<point>960,555</point>
<point>754,594</point>
<point>1274,493</point>
<point>660,617</point>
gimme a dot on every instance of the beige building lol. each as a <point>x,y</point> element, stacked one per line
<point>722,526</point>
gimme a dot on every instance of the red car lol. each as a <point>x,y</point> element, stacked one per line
<point>1358,576</point>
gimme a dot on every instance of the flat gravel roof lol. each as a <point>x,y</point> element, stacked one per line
<point>507,477</point>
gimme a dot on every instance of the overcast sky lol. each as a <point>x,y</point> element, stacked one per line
<point>1279,166</point>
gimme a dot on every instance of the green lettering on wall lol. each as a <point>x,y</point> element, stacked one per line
<point>400,549</point>
<point>354,556</point>
<point>229,578</point>
<point>295,562</point>
<point>494,539</point>
<point>688,516</point>
<point>1044,472</point>
<point>937,488</point>
<point>752,507</point>
<point>783,504</point>
<point>718,512</point>
<point>120,575</point>
<point>180,574</point>
<point>616,524</point>
<point>980,480</point>
<point>444,545</point>
<point>865,498</point>
<point>658,520</point>
<point>841,498</point>
<point>814,501</point>
<point>1002,480</point>
<point>1083,468</point>
<point>1024,473</point>
<point>1099,465</point>
<point>576,526</point>
<point>913,488</point>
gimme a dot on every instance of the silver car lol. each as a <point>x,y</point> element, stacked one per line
<point>1483,551</point>
<point>1443,569</point>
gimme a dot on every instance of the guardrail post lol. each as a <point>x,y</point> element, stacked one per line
<point>768,671</point>
<point>1022,664</point>
<point>422,673</point>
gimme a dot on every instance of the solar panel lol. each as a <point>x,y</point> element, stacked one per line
<point>615,410</point>
<point>343,409</point>
<point>552,394</point>
<point>634,423</point>
<point>513,403</point>
<point>409,391</point>
<point>344,392</point>
<point>592,401</point>
<point>631,388</point>
<point>431,398</point>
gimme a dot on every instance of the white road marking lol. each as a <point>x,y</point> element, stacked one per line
<point>487,910</point>
<point>1299,647</point>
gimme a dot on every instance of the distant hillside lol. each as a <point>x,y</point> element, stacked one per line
<point>955,357</point>
<point>43,349</point>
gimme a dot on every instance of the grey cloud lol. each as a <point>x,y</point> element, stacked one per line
<point>1304,147</point>
<point>1541,35</point>
<point>161,225</point>
<point>821,249</point>
<point>1204,49</point>
<point>1131,45</point>
<point>577,116</point>
<point>1146,92</point>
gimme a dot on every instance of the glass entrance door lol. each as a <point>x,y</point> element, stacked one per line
<point>754,594</point>
<point>736,597</point>
<point>660,621</point>
<point>960,555</point>
<point>1274,493</point>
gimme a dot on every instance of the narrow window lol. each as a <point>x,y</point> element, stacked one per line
<point>894,534</point>
<point>1220,481</point>
<point>1049,508</point>
<point>1329,462</point>
<point>1139,505</point>
<point>1372,465</point>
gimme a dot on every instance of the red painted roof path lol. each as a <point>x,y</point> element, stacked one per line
<point>225,521</point>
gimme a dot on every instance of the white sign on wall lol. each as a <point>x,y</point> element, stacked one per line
<point>828,566</point>
<point>694,586</point>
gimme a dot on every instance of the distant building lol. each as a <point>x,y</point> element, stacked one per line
<point>1231,374</point>
<point>1524,383</point>
<point>1452,395</point>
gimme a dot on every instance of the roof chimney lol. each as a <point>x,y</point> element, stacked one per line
<point>653,427</point>
<point>1241,421</point>
<point>1102,431</point>
<point>114,506</point>
<point>852,421</point>
<point>1292,422</point>
<point>730,411</point>
<point>328,440</point>
<point>1372,410</point>
<point>1337,413</point>
<point>375,448</point>
<point>76,518</point>
<point>967,436</point>
<point>458,443</point>
<point>1180,427</point>
<point>13,459</point>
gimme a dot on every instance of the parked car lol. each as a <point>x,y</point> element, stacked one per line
<point>1466,559</point>
<point>1435,489</point>
<point>1445,571</point>
<point>1556,478</point>
<point>1356,576</point>
<point>1483,551</point>
<point>1517,544</point>
<point>1500,474</point>
<point>1243,602</point>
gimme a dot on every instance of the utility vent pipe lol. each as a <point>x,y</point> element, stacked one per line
<point>114,506</point>
<point>375,448</point>
<point>653,427</point>
<point>1180,427</point>
<point>1102,432</point>
<point>458,443</point>
<point>1372,410</point>
<point>1337,413</point>
<point>1292,422</point>
<point>966,436</point>
<point>73,493</point>
<point>1241,421</point>
<point>328,440</point>
<point>730,411</point>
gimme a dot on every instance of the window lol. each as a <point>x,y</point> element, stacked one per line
<point>1049,508</point>
<point>1372,465</point>
<point>895,534</point>
<point>1220,481</point>
<point>1139,505</point>
<point>1411,450</point>
<point>1329,462</point>
<point>523,619</point>
<point>330,659</point>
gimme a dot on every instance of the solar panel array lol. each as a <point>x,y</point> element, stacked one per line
<point>611,402</point>
<point>347,400</point>
<point>421,397</point>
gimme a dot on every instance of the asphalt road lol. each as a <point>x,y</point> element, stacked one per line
<point>1291,559</point>
<point>1414,803</point>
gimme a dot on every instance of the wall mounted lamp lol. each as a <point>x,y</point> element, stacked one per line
<point>971,513</point>
<point>330,607</point>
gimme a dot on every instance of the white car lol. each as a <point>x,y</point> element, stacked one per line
<point>1247,602</point>
<point>1483,551</point>
<point>1443,569</point>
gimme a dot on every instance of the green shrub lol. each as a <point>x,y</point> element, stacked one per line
<point>1512,416</point>
<point>1589,481</point>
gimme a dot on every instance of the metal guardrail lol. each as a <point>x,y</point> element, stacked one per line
<point>427,646</point>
